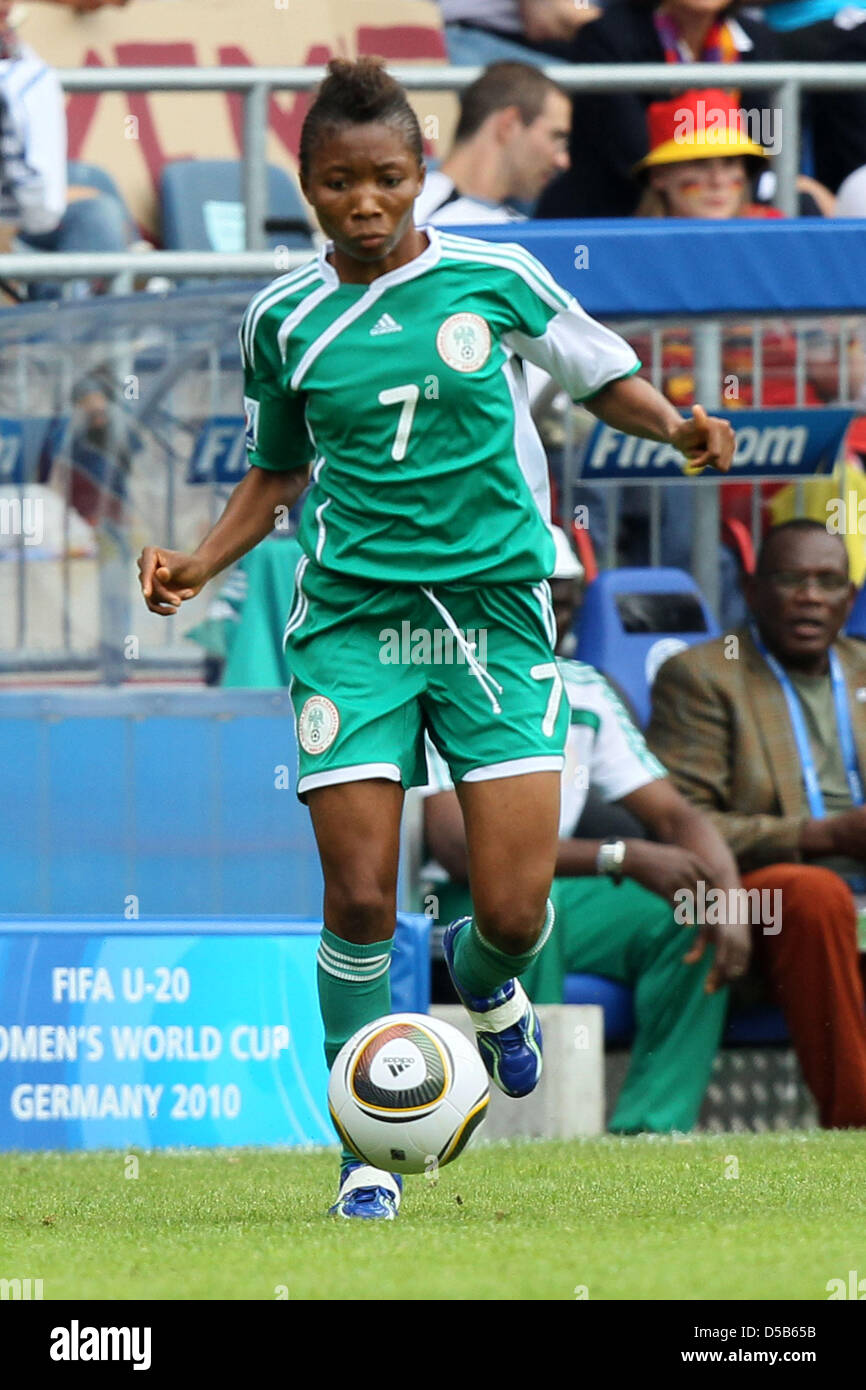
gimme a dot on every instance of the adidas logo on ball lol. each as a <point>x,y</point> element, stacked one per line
<point>397,1065</point>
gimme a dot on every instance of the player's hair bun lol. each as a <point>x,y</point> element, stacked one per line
<point>364,87</point>
<point>356,93</point>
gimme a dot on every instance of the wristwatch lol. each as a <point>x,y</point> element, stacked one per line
<point>610,859</point>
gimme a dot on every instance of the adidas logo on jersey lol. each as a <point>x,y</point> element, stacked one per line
<point>386,324</point>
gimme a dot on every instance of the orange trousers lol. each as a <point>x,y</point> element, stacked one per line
<point>812,968</point>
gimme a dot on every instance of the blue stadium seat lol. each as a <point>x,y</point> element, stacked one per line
<point>758,1026</point>
<point>614,998</point>
<point>203,208</point>
<point>92,176</point>
<point>632,620</point>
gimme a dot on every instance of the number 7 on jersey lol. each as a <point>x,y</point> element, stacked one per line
<point>407,396</point>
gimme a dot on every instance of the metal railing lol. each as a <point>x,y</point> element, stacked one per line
<point>784,81</point>
<point>776,360</point>
<point>120,267</point>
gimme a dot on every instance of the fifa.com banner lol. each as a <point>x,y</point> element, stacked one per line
<point>774,444</point>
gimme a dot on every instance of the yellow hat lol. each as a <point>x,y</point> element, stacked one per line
<point>697,125</point>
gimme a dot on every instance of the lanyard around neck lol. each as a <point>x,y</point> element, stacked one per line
<point>844,729</point>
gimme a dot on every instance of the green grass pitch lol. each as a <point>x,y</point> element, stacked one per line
<point>731,1217</point>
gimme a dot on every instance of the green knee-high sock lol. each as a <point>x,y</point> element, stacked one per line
<point>354,989</point>
<point>481,967</point>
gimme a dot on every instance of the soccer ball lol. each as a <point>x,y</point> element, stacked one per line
<point>407,1093</point>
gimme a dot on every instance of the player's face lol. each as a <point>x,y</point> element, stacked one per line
<point>537,151</point>
<point>802,596</point>
<point>363,181</point>
<point>703,187</point>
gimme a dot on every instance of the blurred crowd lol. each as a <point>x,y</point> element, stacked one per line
<point>594,155</point>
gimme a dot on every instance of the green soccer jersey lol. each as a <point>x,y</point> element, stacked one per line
<point>408,397</point>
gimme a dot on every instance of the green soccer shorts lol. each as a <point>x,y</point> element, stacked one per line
<point>374,665</point>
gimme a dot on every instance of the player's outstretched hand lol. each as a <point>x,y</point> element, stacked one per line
<point>705,442</point>
<point>167,577</point>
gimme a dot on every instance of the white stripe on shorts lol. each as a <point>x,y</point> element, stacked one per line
<point>515,767</point>
<point>361,772</point>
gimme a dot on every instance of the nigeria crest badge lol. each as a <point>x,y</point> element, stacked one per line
<point>318,724</point>
<point>463,341</point>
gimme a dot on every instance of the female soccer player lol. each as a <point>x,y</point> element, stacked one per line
<point>391,365</point>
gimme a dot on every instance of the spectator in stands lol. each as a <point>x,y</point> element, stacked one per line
<point>812,31</point>
<point>37,208</point>
<point>703,163</point>
<point>478,32</point>
<point>98,452</point>
<point>763,731</point>
<point>609,132</point>
<point>837,119</point>
<point>511,139</point>
<point>614,909</point>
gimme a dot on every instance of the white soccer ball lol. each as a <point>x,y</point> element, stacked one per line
<point>407,1093</point>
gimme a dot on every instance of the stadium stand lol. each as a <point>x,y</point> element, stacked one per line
<point>631,620</point>
<point>203,209</point>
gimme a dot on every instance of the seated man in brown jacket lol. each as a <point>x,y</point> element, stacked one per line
<point>765,730</point>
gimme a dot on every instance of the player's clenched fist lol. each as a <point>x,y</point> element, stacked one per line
<point>167,577</point>
<point>705,442</point>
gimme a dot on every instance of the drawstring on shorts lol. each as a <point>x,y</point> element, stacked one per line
<point>484,678</point>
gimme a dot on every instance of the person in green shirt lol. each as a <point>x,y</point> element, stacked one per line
<point>388,371</point>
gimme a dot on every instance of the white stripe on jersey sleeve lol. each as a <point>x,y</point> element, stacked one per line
<point>528,448</point>
<point>508,257</point>
<point>508,253</point>
<point>578,352</point>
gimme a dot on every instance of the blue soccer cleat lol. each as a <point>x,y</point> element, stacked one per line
<point>368,1193</point>
<point>507,1029</point>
